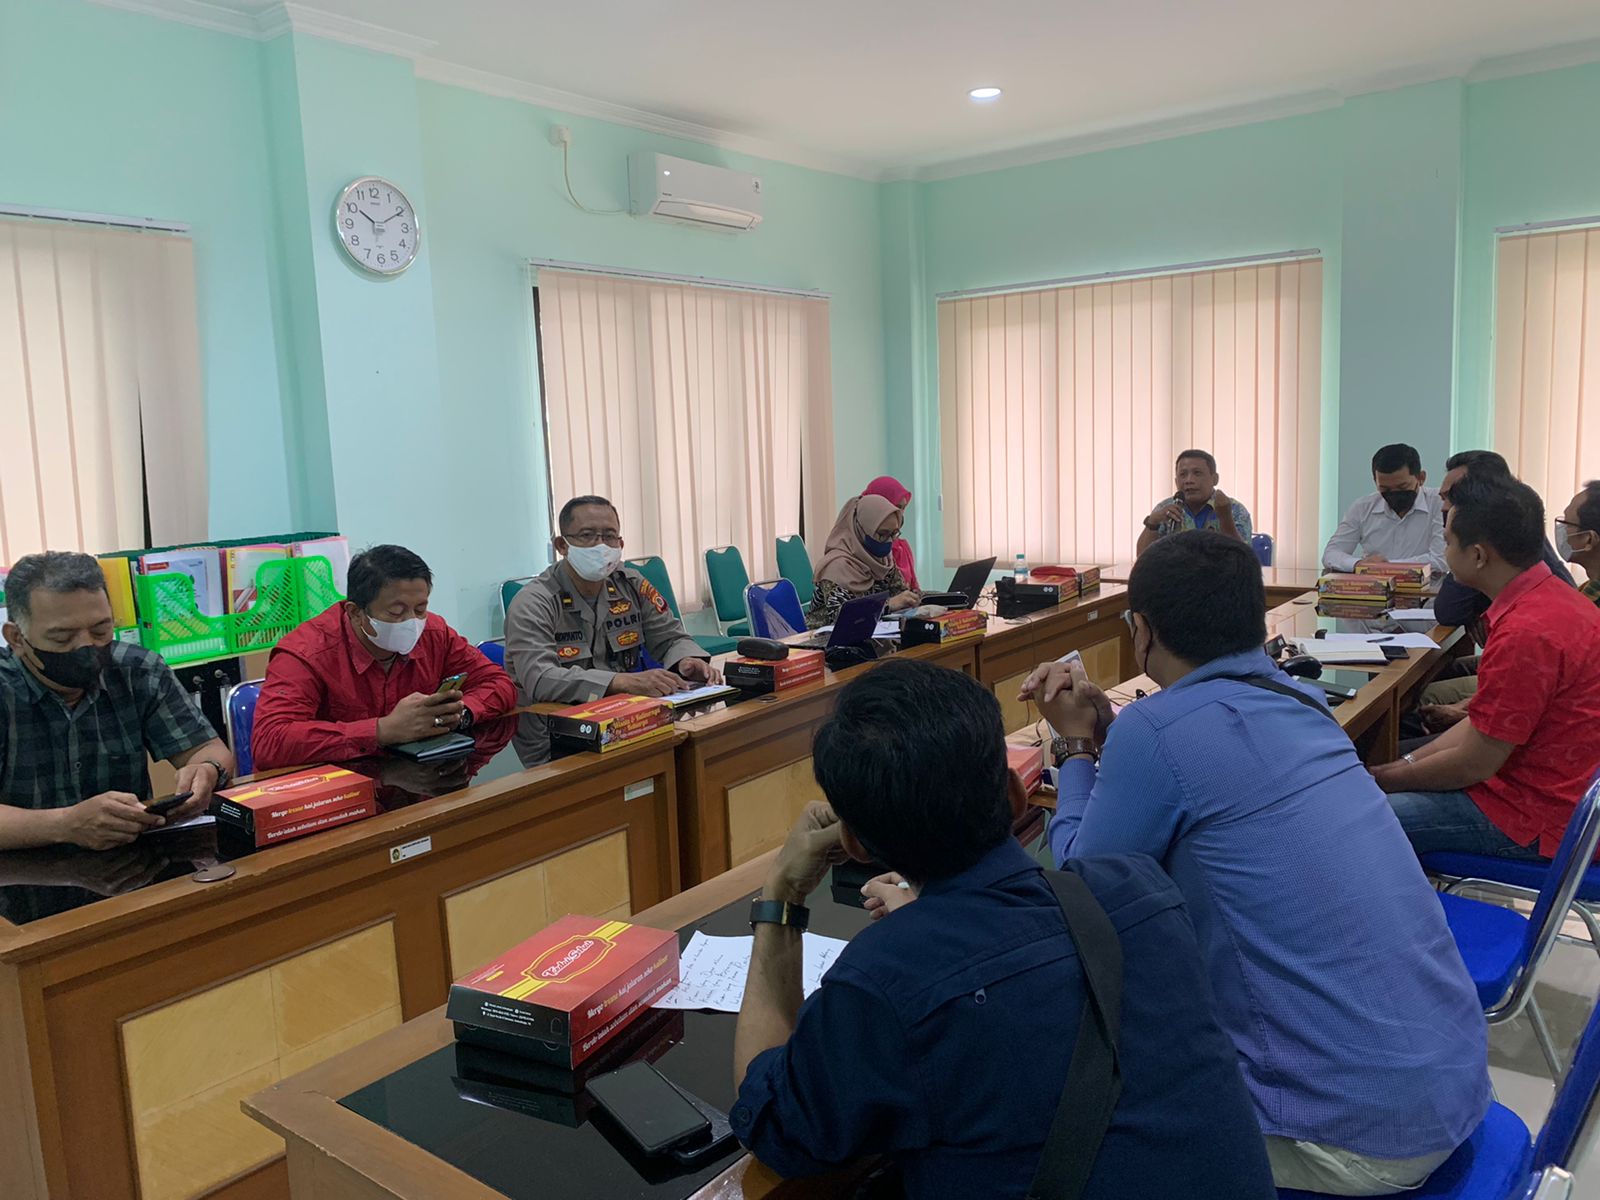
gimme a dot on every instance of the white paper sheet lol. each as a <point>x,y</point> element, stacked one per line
<point>191,823</point>
<point>1412,616</point>
<point>691,695</point>
<point>712,970</point>
<point>1411,641</point>
<point>884,629</point>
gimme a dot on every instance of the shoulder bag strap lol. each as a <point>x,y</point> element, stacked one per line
<point>1283,689</point>
<point>1094,1076</point>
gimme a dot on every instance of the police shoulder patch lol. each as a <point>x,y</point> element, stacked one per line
<point>653,597</point>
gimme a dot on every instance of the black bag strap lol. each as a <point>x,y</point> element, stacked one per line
<point>1283,689</point>
<point>1094,1076</point>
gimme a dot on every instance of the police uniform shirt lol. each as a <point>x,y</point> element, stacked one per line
<point>563,648</point>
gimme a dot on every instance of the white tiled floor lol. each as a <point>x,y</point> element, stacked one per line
<point>1568,984</point>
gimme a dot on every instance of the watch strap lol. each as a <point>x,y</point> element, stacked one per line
<point>1062,748</point>
<point>779,912</point>
<point>223,778</point>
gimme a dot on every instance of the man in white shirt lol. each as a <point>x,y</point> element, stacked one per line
<point>1401,522</point>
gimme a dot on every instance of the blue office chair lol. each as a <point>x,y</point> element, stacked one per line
<point>494,650</point>
<point>774,609</point>
<point>1503,949</point>
<point>1261,543</point>
<point>240,705</point>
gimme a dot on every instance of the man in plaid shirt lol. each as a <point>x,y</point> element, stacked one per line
<point>79,712</point>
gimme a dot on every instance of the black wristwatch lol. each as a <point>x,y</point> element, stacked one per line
<point>223,778</point>
<point>1063,748</point>
<point>779,912</point>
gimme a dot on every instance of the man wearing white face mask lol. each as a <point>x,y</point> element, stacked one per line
<point>367,673</point>
<point>580,630</point>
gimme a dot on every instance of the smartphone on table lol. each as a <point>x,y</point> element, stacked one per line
<point>654,1114</point>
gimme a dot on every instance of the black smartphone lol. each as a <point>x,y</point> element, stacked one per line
<point>160,808</point>
<point>652,1112</point>
<point>1276,647</point>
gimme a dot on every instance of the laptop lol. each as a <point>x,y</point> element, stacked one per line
<point>970,580</point>
<point>854,626</point>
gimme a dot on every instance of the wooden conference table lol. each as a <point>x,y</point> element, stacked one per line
<point>1283,583</point>
<point>335,1151</point>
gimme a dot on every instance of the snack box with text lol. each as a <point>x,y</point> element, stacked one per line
<point>1028,763</point>
<point>610,723</point>
<point>957,625</point>
<point>283,807</point>
<point>761,676</point>
<point>1407,576</point>
<point>1350,585</point>
<point>565,992</point>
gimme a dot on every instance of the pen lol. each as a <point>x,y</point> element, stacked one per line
<point>1380,640</point>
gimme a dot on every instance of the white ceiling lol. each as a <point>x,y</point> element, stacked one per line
<point>878,87</point>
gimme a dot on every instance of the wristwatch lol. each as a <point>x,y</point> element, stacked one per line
<point>779,912</point>
<point>465,721</point>
<point>223,778</point>
<point>1063,748</point>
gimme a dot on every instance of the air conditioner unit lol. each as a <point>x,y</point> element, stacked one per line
<point>677,189</point>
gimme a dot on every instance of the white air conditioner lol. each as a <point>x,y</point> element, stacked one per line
<point>677,189</point>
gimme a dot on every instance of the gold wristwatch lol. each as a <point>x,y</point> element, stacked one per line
<point>1063,748</point>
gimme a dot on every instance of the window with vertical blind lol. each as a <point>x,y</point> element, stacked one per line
<point>1061,410</point>
<point>100,399</point>
<point>1547,360</point>
<point>704,413</point>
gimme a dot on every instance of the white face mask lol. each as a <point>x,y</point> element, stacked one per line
<point>595,562</point>
<point>1563,547</point>
<point>397,637</point>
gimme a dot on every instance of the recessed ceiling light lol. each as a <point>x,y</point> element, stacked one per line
<point>985,93</point>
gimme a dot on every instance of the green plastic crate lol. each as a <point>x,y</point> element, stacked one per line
<point>288,592</point>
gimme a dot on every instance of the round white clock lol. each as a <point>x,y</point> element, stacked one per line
<point>377,226</point>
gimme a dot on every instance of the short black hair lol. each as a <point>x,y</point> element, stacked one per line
<point>1203,455</point>
<point>51,571</point>
<point>577,502</point>
<point>1589,507</point>
<point>1500,512</point>
<point>1202,593</point>
<point>1397,457</point>
<point>373,568</point>
<point>913,760</point>
<point>1483,462</point>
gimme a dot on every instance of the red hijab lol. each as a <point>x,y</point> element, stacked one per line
<point>897,494</point>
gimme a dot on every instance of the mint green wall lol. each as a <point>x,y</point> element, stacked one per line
<point>496,201</point>
<point>1532,154</point>
<point>108,112</point>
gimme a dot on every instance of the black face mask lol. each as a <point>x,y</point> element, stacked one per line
<point>1400,502</point>
<point>77,669</point>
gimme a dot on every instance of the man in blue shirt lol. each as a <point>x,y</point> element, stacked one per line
<point>1358,1028</point>
<point>941,1035</point>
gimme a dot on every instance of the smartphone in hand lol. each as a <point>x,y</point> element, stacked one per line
<point>451,683</point>
<point>160,808</point>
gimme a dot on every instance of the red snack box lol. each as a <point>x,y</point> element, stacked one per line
<point>1066,578</point>
<point>1028,763</point>
<point>760,675</point>
<point>269,811</point>
<point>957,625</point>
<point>562,994</point>
<point>1345,585</point>
<point>608,724</point>
<point>1406,575</point>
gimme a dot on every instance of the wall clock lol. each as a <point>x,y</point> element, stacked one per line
<point>377,226</point>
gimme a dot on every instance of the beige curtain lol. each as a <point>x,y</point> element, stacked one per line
<point>1061,410</point>
<point>1547,361</point>
<point>703,413</point>
<point>97,335</point>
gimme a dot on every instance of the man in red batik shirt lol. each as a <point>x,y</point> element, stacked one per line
<point>1506,780</point>
<point>366,673</point>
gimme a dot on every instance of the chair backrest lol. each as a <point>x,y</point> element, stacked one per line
<point>794,564</point>
<point>1261,543</point>
<point>509,590</point>
<point>494,650</point>
<point>240,705</point>
<point>1575,1100</point>
<point>728,578</point>
<point>1552,1183</point>
<point>774,609</point>
<point>654,569</point>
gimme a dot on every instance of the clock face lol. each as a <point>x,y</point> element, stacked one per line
<point>377,226</point>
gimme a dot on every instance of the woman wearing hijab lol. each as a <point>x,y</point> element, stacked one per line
<point>856,560</point>
<point>899,495</point>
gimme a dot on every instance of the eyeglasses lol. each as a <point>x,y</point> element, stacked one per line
<point>589,537</point>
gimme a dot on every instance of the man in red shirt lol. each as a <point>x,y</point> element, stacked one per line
<point>366,673</point>
<point>1506,780</point>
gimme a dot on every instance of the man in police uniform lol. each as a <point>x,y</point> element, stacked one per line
<point>578,631</point>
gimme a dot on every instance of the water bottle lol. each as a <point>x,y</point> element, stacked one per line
<point>1020,573</point>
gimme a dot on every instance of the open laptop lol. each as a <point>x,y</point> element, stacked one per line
<point>968,582</point>
<point>854,626</point>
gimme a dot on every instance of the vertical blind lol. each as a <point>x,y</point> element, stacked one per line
<point>1547,360</point>
<point>1062,409</point>
<point>100,394</point>
<point>703,413</point>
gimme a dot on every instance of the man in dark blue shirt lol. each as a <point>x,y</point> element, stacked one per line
<point>941,1035</point>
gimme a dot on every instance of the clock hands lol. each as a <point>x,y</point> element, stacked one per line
<point>370,221</point>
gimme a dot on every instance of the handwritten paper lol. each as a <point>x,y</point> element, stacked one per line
<point>712,970</point>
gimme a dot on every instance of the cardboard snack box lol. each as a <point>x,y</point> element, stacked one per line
<point>958,625</point>
<point>1028,763</point>
<point>567,991</point>
<point>283,807</point>
<point>609,723</point>
<point>1406,575</point>
<point>760,676</point>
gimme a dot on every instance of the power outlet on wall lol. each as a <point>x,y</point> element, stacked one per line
<point>560,135</point>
